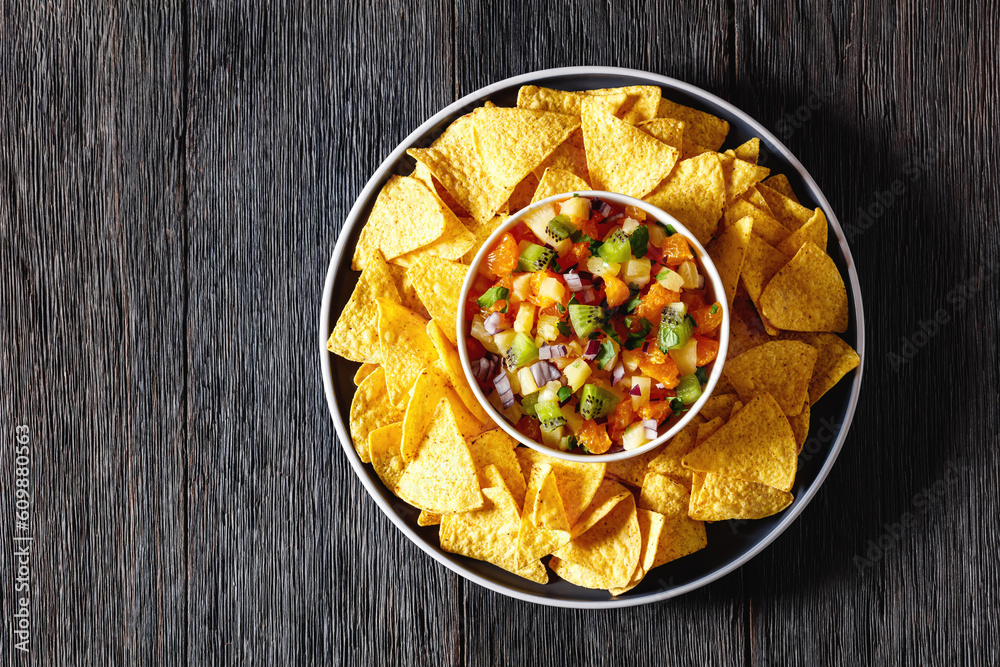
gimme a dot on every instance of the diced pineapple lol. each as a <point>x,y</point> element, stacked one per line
<point>552,438</point>
<point>478,332</point>
<point>631,360</point>
<point>525,319</point>
<point>552,289</point>
<point>527,382</point>
<point>548,327</point>
<point>672,280</point>
<point>689,272</point>
<point>538,220</point>
<point>643,397</point>
<point>629,225</point>
<point>574,349</point>
<point>577,208</point>
<point>657,235</point>
<point>562,362</point>
<point>550,392</point>
<point>635,436</point>
<point>574,420</point>
<point>503,340</point>
<point>686,358</point>
<point>599,267</point>
<point>522,287</point>
<point>577,373</point>
<point>515,383</point>
<point>636,273</point>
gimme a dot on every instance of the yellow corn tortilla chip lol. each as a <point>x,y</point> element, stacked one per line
<point>454,242</point>
<point>439,285</point>
<point>481,232</point>
<point>650,528</point>
<point>442,477</point>
<point>406,215</point>
<point>522,194</point>
<point>728,251</point>
<point>702,128</point>
<point>453,367</point>
<point>578,575</point>
<point>835,359</point>
<point>496,448</point>
<point>694,194</point>
<point>706,430</point>
<point>355,335</point>
<point>753,196</point>
<point>557,181</point>
<point>781,368</point>
<point>490,534</point>
<point>638,103</point>
<point>757,445</point>
<point>364,371</point>
<point>426,518</point>
<point>577,482</point>
<point>739,175</point>
<point>764,224</point>
<point>406,348</point>
<point>632,471</point>
<point>807,294</point>
<point>800,427</point>
<point>407,292</point>
<point>680,536</point>
<point>779,183</point>
<point>371,409</point>
<point>668,462</point>
<point>748,150</point>
<point>641,102</point>
<point>621,157</point>
<point>611,547</point>
<point>762,263</point>
<point>511,142</point>
<point>746,331</point>
<point>668,130</point>
<point>424,175</point>
<point>383,447</point>
<point>690,149</point>
<point>664,495</point>
<point>718,405</point>
<point>788,212</point>
<point>429,388</point>
<point>609,494</point>
<point>814,230</point>
<point>719,498</point>
<point>453,161</point>
<point>544,527</point>
<point>569,156</point>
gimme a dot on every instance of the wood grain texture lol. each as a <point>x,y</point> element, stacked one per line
<point>174,179</point>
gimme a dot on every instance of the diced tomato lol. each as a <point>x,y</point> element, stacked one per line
<point>676,250</point>
<point>619,420</point>
<point>656,299</point>
<point>529,427</point>
<point>503,259</point>
<point>616,290</point>
<point>594,437</point>
<point>706,319</point>
<point>708,350</point>
<point>475,348</point>
<point>577,255</point>
<point>665,373</point>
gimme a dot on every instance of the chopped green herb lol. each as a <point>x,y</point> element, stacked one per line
<point>492,295</point>
<point>677,405</point>
<point>564,329</point>
<point>578,236</point>
<point>610,330</point>
<point>561,308</point>
<point>632,304</point>
<point>715,309</point>
<point>573,300</point>
<point>701,374</point>
<point>639,240</point>
<point>564,393</point>
<point>605,354</point>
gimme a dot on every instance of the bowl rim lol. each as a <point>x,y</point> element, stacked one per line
<point>717,287</point>
<point>376,180</point>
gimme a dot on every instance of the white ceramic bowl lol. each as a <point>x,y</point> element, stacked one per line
<point>711,276</point>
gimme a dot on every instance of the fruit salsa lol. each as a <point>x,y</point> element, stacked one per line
<point>590,325</point>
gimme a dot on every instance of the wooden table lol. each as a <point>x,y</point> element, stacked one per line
<point>173,179</point>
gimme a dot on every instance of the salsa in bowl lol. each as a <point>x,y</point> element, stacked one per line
<point>593,326</point>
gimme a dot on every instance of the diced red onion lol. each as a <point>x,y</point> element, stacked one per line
<point>543,372</point>
<point>701,282</point>
<point>593,347</point>
<point>552,351</point>
<point>573,281</point>
<point>636,391</point>
<point>649,425</point>
<point>617,374</point>
<point>492,323</point>
<point>615,217</point>
<point>480,368</point>
<point>587,295</point>
<point>659,385</point>
<point>503,390</point>
<point>601,207</point>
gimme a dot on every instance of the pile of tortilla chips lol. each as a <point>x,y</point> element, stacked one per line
<point>415,419</point>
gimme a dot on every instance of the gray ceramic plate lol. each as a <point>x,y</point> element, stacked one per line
<point>730,543</point>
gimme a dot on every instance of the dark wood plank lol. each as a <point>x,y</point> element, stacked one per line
<point>291,109</point>
<point>891,109</point>
<point>92,286</point>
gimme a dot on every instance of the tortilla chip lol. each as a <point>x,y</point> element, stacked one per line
<point>702,128</point>
<point>407,215</point>
<point>578,575</point>
<point>719,498</point>
<point>706,430</point>
<point>481,232</point>
<point>609,494</point>
<point>453,160</point>
<point>544,526</point>
<point>753,196</point>
<point>637,103</point>
<point>739,175</point>
<point>406,348</point>
<point>455,241</point>
<point>364,371</point>
<point>650,529</point>
<point>680,536</point>
<point>429,388</point>
<point>383,448</point>
<point>718,405</point>
<point>577,482</point>
<point>668,130</point>
<point>355,335</point>
<point>371,409</point>
<point>558,181</point>
<point>522,194</point>
<point>662,494</point>
<point>511,142</point>
<point>764,224</point>
<point>835,359</point>
<point>621,157</point>
<point>442,477</point>
<point>453,367</point>
<point>789,212</point>
<point>426,518</point>
<point>748,150</point>
<point>746,331</point>
<point>611,547</point>
<point>668,462</point>
<point>633,470</point>
<point>490,534</point>
<point>694,194</point>
<point>807,294</point>
<point>407,292</point>
<point>780,368</point>
<point>800,427</point>
<point>496,448</point>
<point>424,175</point>
<point>569,156</point>
<point>762,263</point>
<point>815,230</point>
<point>757,445</point>
<point>728,252</point>
<point>779,183</point>
<point>690,149</point>
<point>438,283</point>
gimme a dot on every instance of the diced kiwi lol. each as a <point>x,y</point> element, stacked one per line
<point>549,414</point>
<point>617,248</point>
<point>585,318</point>
<point>535,258</point>
<point>528,403</point>
<point>689,389</point>
<point>596,402</point>
<point>675,330</point>
<point>522,351</point>
<point>559,228</point>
